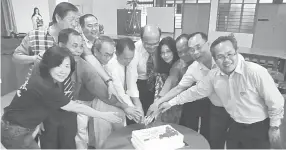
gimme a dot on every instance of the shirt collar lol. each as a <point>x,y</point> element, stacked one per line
<point>88,42</point>
<point>203,67</point>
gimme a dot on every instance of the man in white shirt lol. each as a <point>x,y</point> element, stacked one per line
<point>90,32</point>
<point>145,62</point>
<point>248,93</point>
<point>104,49</point>
<point>125,76</point>
<point>214,118</point>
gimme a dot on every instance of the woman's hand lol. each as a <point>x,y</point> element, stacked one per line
<point>112,117</point>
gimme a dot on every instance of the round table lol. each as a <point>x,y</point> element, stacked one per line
<point>121,138</point>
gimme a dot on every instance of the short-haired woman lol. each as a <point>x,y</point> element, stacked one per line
<point>39,97</point>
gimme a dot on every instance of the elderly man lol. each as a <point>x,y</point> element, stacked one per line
<point>144,61</point>
<point>90,32</point>
<point>104,49</point>
<point>248,93</point>
<point>36,42</point>
<point>70,130</point>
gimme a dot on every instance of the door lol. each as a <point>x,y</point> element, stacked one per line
<point>196,18</point>
<point>270,31</point>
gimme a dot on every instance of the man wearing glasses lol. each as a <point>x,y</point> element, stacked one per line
<point>247,92</point>
<point>198,47</point>
<point>144,60</point>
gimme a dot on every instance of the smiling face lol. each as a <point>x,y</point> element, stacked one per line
<point>75,44</point>
<point>199,48</point>
<point>91,28</point>
<point>183,50</point>
<point>226,57</point>
<point>61,72</point>
<point>166,54</point>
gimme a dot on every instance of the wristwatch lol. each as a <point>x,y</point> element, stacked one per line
<point>106,82</point>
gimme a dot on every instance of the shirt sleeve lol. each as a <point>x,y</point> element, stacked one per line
<point>273,98</point>
<point>132,76</point>
<point>93,82</point>
<point>202,89</point>
<point>188,79</point>
<point>23,48</point>
<point>54,98</point>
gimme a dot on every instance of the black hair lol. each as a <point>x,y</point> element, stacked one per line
<point>82,19</point>
<point>142,30</point>
<point>62,9</point>
<point>203,35</point>
<point>164,67</point>
<point>64,35</point>
<point>121,44</point>
<point>35,12</point>
<point>99,41</point>
<point>186,36</point>
<point>53,57</point>
<point>221,39</point>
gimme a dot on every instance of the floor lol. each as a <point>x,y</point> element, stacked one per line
<point>6,99</point>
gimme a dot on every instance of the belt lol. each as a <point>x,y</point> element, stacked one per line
<point>252,124</point>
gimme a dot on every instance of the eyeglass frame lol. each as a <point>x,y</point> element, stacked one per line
<point>223,57</point>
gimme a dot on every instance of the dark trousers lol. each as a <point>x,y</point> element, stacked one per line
<point>191,114</point>
<point>17,137</point>
<point>146,96</point>
<point>249,136</point>
<point>219,123</point>
<point>60,131</point>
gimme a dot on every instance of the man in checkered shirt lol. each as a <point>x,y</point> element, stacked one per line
<point>36,42</point>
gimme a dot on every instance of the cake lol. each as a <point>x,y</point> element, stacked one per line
<point>160,137</point>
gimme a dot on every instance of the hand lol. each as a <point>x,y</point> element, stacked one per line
<point>164,107</point>
<point>140,109</point>
<point>112,117</point>
<point>274,136</point>
<point>153,108</point>
<point>133,113</point>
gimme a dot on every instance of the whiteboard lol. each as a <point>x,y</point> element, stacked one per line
<point>163,17</point>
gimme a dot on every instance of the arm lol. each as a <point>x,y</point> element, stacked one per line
<point>273,98</point>
<point>95,63</point>
<point>21,53</point>
<point>187,81</point>
<point>171,81</point>
<point>202,89</point>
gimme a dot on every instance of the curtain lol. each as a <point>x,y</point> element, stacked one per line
<point>7,18</point>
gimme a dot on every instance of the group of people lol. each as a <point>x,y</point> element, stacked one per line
<point>82,86</point>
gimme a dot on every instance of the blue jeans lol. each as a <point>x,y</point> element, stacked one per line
<point>17,137</point>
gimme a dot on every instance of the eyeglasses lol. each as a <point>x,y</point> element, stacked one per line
<point>196,48</point>
<point>223,57</point>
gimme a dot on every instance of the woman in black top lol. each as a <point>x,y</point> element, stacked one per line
<point>39,97</point>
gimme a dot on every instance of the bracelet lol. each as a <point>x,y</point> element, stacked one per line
<point>109,80</point>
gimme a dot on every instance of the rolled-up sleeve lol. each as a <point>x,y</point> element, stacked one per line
<point>23,48</point>
<point>202,89</point>
<point>273,98</point>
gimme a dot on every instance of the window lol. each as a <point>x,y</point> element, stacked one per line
<point>236,16</point>
<point>143,5</point>
<point>179,9</point>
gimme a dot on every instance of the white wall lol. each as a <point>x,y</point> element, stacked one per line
<point>106,12</point>
<point>243,39</point>
<point>23,10</point>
